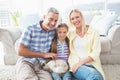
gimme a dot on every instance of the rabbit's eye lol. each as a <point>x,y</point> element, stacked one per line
<point>55,65</point>
<point>65,65</point>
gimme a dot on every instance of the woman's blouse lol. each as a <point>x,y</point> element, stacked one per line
<point>79,47</point>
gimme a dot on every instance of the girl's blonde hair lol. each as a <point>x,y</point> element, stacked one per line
<point>84,29</point>
<point>54,42</point>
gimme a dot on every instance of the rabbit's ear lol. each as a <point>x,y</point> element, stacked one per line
<point>47,68</point>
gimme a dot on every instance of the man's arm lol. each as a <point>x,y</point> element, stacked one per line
<point>24,51</point>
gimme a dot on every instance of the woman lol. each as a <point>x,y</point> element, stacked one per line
<point>85,49</point>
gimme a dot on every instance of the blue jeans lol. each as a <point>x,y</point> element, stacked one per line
<point>66,76</point>
<point>87,72</point>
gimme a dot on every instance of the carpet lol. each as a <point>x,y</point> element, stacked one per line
<point>7,72</point>
<point>112,72</point>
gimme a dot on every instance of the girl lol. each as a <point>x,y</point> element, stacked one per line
<point>60,45</point>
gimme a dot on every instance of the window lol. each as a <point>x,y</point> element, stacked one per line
<point>25,7</point>
<point>113,6</point>
<point>4,13</point>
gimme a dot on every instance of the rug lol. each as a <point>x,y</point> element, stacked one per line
<point>7,72</point>
<point>112,72</point>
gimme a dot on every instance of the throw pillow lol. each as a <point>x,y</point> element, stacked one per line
<point>103,23</point>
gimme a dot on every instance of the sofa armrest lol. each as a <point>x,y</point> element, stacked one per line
<point>14,32</point>
<point>114,37</point>
<point>8,37</point>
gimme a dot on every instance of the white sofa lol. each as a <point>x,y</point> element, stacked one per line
<point>110,45</point>
<point>110,53</point>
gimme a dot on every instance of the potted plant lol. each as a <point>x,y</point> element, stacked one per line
<point>15,15</point>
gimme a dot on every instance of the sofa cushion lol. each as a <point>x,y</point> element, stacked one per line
<point>114,37</point>
<point>105,44</point>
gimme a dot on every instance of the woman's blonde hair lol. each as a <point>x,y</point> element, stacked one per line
<point>84,29</point>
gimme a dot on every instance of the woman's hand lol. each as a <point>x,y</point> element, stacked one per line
<point>76,66</point>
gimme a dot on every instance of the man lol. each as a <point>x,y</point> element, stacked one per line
<point>34,47</point>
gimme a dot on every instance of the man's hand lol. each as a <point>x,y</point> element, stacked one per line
<point>50,55</point>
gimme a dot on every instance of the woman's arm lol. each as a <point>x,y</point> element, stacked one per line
<point>84,61</point>
<point>95,46</point>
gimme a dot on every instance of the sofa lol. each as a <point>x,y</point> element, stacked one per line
<point>110,49</point>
